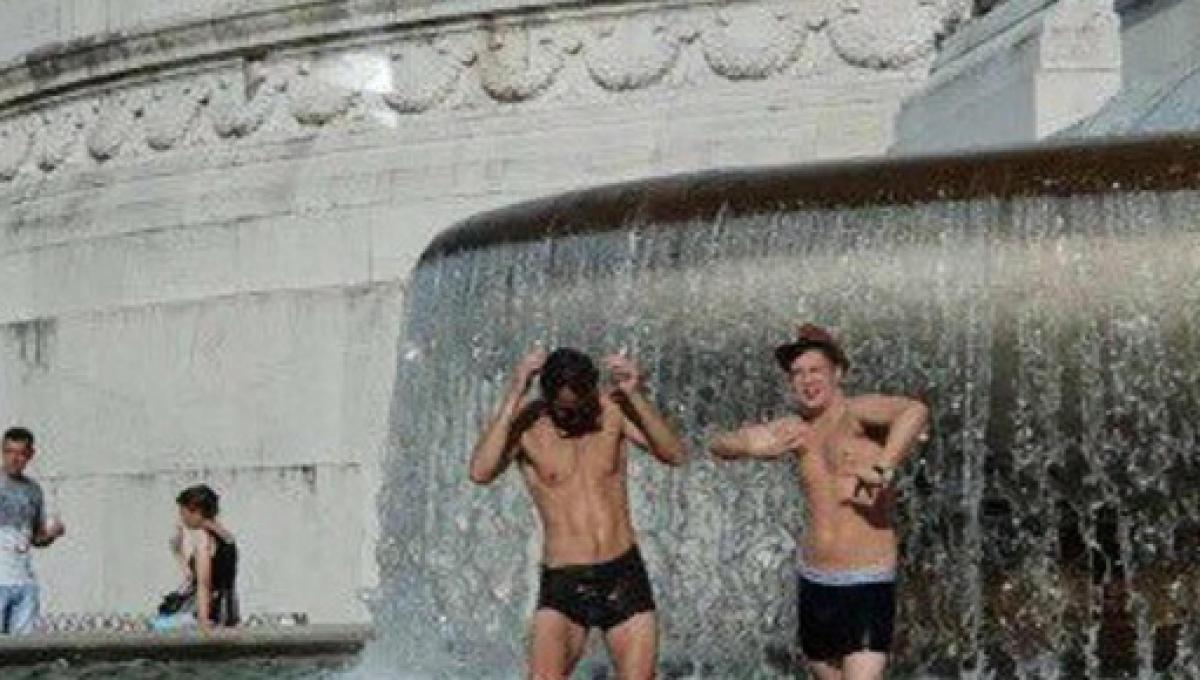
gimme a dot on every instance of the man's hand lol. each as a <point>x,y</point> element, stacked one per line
<point>790,434</point>
<point>864,460</point>
<point>50,531</point>
<point>625,373</point>
<point>528,367</point>
<point>54,529</point>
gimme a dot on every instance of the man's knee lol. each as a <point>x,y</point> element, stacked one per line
<point>864,666</point>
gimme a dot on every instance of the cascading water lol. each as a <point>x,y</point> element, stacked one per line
<point>1051,526</point>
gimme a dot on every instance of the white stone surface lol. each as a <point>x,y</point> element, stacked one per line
<point>277,400</point>
<point>204,266</point>
<point>1022,73</point>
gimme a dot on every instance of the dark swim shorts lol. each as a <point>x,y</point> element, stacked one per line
<point>838,619</point>
<point>602,595</point>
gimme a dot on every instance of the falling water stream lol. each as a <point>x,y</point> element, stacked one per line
<point>1050,527</point>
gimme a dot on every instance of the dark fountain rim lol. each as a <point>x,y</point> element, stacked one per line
<point>1060,168</point>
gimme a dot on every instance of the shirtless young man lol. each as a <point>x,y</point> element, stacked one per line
<point>848,554</point>
<point>570,446</point>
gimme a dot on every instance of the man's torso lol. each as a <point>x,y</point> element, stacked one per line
<point>841,534</point>
<point>578,485</point>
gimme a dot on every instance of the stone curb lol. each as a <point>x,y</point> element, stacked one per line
<point>316,640</point>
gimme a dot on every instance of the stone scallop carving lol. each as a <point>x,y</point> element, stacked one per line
<point>315,98</point>
<point>15,142</point>
<point>517,63</point>
<point>632,53</point>
<point>424,74</point>
<point>886,35</point>
<point>59,133</point>
<point>752,41</point>
<point>113,125</point>
<point>242,101</point>
<point>170,110</point>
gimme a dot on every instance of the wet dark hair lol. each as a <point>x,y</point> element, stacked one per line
<point>19,435</point>
<point>199,497</point>
<point>568,367</point>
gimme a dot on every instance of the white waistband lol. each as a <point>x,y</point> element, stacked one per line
<point>847,577</point>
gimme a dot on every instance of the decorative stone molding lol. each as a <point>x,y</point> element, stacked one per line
<point>754,41</point>
<point>425,73</point>
<point>243,99</point>
<point>58,133</point>
<point>634,52</point>
<point>457,64</point>
<point>517,63</point>
<point>171,109</point>
<point>317,98</point>
<point>112,126</point>
<point>885,35</point>
<point>14,147</point>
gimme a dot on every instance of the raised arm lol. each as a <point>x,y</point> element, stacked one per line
<point>644,425</point>
<point>904,418</point>
<point>500,439</point>
<point>767,440</point>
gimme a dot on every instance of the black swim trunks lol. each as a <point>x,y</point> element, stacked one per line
<point>841,618</point>
<point>603,595</point>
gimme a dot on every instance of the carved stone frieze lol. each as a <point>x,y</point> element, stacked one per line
<point>14,147</point>
<point>315,98</point>
<point>243,99</point>
<point>517,63</point>
<point>890,35</point>
<point>633,52</point>
<point>170,110</point>
<point>426,72</point>
<point>753,41</point>
<point>499,61</point>
<point>60,130</point>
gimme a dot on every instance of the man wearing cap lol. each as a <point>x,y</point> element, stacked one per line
<point>847,557</point>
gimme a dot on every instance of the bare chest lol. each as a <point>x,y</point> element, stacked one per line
<point>829,457</point>
<point>556,461</point>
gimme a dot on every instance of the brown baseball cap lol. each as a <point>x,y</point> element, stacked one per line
<point>810,336</point>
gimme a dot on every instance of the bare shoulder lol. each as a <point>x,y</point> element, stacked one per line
<point>865,401</point>
<point>868,406</point>
<point>526,425</point>
<point>201,541</point>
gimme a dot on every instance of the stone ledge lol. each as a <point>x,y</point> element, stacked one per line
<point>317,640</point>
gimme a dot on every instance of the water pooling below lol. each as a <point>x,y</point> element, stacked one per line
<point>1045,303</point>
